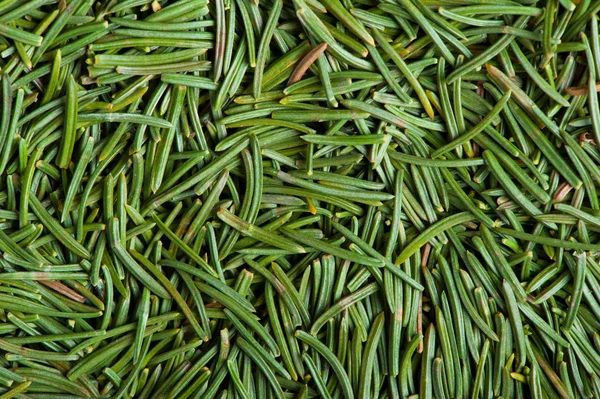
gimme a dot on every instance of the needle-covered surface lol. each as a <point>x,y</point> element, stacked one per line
<point>299,198</point>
